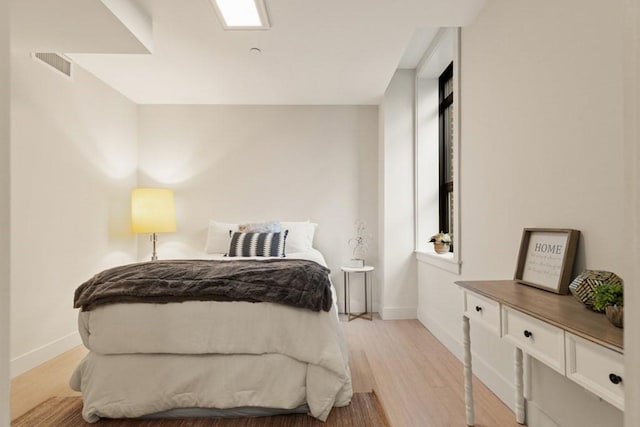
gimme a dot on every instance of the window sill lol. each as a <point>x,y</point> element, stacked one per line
<point>445,262</point>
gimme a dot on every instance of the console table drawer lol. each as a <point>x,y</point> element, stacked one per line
<point>541,340</point>
<point>596,368</point>
<point>482,310</point>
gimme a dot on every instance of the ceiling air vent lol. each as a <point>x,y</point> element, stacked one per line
<point>57,61</point>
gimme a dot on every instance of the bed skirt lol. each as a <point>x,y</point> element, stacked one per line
<point>137,385</point>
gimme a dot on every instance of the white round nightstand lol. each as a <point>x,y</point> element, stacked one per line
<point>368,292</point>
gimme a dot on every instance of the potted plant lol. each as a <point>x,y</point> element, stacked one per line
<point>441,242</point>
<point>609,297</point>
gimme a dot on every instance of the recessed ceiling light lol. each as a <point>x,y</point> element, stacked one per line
<point>242,14</point>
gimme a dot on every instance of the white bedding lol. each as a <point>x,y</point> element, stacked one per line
<point>147,358</point>
<point>135,385</point>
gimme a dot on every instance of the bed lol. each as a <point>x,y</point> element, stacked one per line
<point>212,357</point>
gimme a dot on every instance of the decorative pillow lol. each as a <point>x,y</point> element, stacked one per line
<point>300,237</point>
<point>257,244</point>
<point>218,237</point>
<point>261,227</point>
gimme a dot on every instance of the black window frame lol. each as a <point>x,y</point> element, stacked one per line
<point>445,187</point>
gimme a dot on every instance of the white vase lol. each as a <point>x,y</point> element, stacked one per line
<point>441,248</point>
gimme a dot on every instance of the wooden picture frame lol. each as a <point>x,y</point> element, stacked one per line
<point>546,258</point>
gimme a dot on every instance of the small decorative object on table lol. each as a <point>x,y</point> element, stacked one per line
<point>359,244</point>
<point>615,315</point>
<point>441,242</point>
<point>609,297</point>
<point>355,263</point>
<point>546,257</point>
<point>584,286</point>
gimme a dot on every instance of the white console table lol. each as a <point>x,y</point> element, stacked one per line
<point>557,330</point>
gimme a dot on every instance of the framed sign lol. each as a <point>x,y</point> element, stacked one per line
<point>546,258</point>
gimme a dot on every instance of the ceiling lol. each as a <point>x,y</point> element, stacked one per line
<point>316,52</point>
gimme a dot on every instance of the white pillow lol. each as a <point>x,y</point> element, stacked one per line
<point>260,227</point>
<point>300,237</point>
<point>218,237</point>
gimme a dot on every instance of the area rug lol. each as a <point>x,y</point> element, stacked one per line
<point>364,411</point>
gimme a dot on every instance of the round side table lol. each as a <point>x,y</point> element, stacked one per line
<point>368,292</point>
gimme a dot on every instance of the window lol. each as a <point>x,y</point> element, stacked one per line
<point>445,150</point>
<point>437,142</point>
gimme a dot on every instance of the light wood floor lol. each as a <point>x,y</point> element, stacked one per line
<point>417,380</point>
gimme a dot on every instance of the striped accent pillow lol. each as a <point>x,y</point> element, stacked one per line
<point>257,244</point>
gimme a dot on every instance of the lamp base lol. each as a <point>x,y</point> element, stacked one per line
<point>154,241</point>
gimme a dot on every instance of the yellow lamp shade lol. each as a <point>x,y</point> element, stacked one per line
<point>152,210</point>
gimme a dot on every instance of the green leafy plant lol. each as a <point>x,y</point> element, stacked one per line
<point>608,294</point>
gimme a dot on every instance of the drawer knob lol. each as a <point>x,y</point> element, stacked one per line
<point>616,379</point>
<point>478,308</point>
<point>528,334</point>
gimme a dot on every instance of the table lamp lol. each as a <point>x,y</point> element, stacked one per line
<point>152,211</point>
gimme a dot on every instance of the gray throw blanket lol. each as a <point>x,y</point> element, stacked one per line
<point>299,283</point>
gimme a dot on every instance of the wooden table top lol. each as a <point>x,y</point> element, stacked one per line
<point>563,311</point>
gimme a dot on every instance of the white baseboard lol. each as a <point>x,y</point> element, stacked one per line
<point>537,417</point>
<point>399,313</point>
<point>502,387</point>
<point>448,340</point>
<point>40,355</point>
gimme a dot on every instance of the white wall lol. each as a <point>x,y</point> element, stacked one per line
<point>4,216</point>
<point>542,146</point>
<point>427,174</point>
<point>632,208</point>
<point>255,163</point>
<point>397,193</point>
<point>73,163</point>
